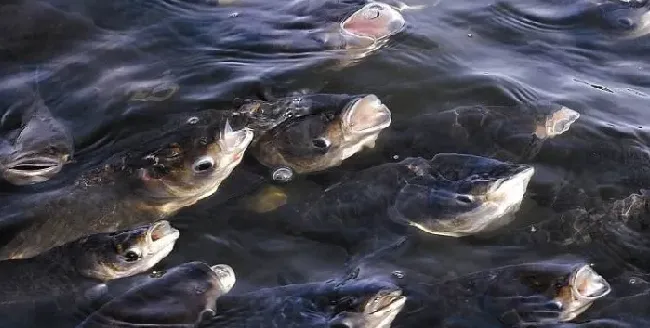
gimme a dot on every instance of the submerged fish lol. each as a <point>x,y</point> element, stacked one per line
<point>355,303</point>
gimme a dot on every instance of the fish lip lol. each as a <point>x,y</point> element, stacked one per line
<point>553,125</point>
<point>51,165</point>
<point>576,297</point>
<point>524,173</point>
<point>605,290</point>
<point>225,276</point>
<point>161,234</point>
<point>397,302</point>
<point>375,102</point>
<point>401,21</point>
<point>240,149</point>
<point>250,134</point>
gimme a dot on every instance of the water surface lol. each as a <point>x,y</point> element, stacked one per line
<point>89,58</point>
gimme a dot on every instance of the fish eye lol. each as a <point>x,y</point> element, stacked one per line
<point>321,143</point>
<point>132,254</point>
<point>203,164</point>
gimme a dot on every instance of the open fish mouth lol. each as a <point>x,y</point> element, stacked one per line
<point>557,123</point>
<point>366,115</point>
<point>588,285</point>
<point>465,205</point>
<point>28,170</point>
<point>161,234</point>
<point>584,287</point>
<point>519,179</point>
<point>374,21</point>
<point>225,276</point>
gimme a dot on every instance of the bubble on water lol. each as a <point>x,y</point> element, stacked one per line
<point>193,120</point>
<point>282,174</point>
<point>395,157</point>
<point>398,274</point>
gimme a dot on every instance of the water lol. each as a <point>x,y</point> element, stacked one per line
<point>89,59</point>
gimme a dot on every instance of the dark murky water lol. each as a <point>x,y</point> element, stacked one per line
<point>89,59</point>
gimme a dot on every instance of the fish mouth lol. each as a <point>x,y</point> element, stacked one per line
<point>225,276</point>
<point>235,140</point>
<point>519,178</point>
<point>557,123</point>
<point>161,234</point>
<point>29,170</point>
<point>366,115</point>
<point>389,302</point>
<point>237,145</point>
<point>248,138</point>
<point>374,21</point>
<point>588,285</point>
<point>507,195</point>
<point>584,287</point>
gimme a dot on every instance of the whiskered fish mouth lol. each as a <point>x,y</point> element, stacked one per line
<point>28,170</point>
<point>366,115</point>
<point>161,234</point>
